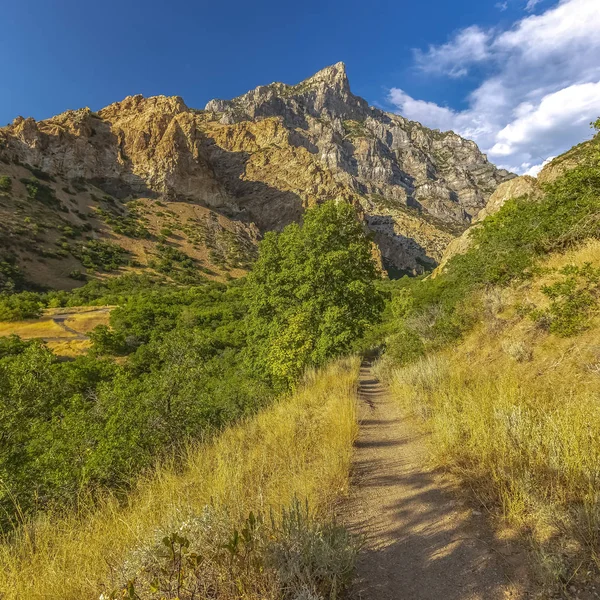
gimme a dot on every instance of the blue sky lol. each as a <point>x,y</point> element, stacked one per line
<point>446,64</point>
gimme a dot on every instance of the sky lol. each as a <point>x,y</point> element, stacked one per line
<point>520,77</point>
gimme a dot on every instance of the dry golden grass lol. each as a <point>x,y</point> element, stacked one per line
<point>80,319</point>
<point>516,413</point>
<point>301,447</point>
<point>39,328</point>
<point>85,322</point>
<point>70,348</point>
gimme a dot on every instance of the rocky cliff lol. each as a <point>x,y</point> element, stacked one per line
<point>253,164</point>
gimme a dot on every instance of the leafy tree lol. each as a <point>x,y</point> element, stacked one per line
<point>311,293</point>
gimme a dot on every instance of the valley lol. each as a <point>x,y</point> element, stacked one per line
<point>186,299</point>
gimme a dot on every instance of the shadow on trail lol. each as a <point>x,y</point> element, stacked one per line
<point>420,543</point>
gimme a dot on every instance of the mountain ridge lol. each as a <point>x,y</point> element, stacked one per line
<point>253,164</point>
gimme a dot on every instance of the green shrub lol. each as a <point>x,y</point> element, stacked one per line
<point>572,300</point>
<point>404,347</point>
<point>11,277</point>
<point>36,190</point>
<point>507,247</point>
<point>177,265</point>
<point>13,345</point>
<point>77,275</point>
<point>15,307</point>
<point>129,224</point>
<point>303,558</point>
<point>5,183</point>
<point>101,255</point>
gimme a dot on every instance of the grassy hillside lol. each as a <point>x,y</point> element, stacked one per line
<point>248,515</point>
<point>58,233</point>
<point>499,358</point>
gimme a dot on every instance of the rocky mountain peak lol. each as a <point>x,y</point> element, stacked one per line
<point>326,94</point>
<point>262,158</point>
<point>334,77</point>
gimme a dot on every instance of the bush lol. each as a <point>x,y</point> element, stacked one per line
<point>5,183</point>
<point>300,557</point>
<point>36,190</point>
<point>15,307</point>
<point>572,300</point>
<point>128,225</point>
<point>404,347</point>
<point>101,255</point>
<point>78,275</point>
<point>91,423</point>
<point>11,277</point>
<point>506,248</point>
<point>177,265</point>
<point>13,345</point>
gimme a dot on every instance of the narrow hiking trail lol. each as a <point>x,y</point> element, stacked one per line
<point>421,541</point>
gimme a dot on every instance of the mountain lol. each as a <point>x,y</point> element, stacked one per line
<point>181,190</point>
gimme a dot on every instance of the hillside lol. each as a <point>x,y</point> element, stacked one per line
<point>519,187</point>
<point>149,183</point>
<point>497,358</point>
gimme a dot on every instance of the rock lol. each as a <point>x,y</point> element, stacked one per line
<point>266,156</point>
<point>514,188</point>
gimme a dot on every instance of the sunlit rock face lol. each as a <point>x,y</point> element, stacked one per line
<point>264,157</point>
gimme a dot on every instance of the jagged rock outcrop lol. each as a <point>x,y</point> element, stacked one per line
<point>372,151</point>
<point>264,157</point>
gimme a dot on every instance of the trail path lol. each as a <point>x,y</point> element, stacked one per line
<point>422,542</point>
<point>61,318</point>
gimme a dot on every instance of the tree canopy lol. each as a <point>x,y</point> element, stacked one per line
<point>311,293</point>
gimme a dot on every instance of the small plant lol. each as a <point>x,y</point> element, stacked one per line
<point>129,224</point>
<point>78,275</point>
<point>177,265</point>
<point>355,129</point>
<point>518,350</point>
<point>5,183</point>
<point>36,190</point>
<point>100,255</point>
<point>292,555</point>
<point>573,300</point>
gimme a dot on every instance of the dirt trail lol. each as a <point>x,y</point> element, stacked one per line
<point>422,542</point>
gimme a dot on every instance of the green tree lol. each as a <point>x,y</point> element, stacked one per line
<point>311,293</point>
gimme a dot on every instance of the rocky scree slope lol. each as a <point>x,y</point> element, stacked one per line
<point>217,178</point>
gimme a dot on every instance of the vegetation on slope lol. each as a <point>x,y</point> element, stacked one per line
<point>177,365</point>
<point>499,356</point>
<point>250,515</point>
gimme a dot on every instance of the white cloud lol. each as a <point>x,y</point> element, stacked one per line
<point>541,91</point>
<point>469,46</point>
<point>557,113</point>
<point>535,169</point>
<point>501,6</point>
<point>531,4</point>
